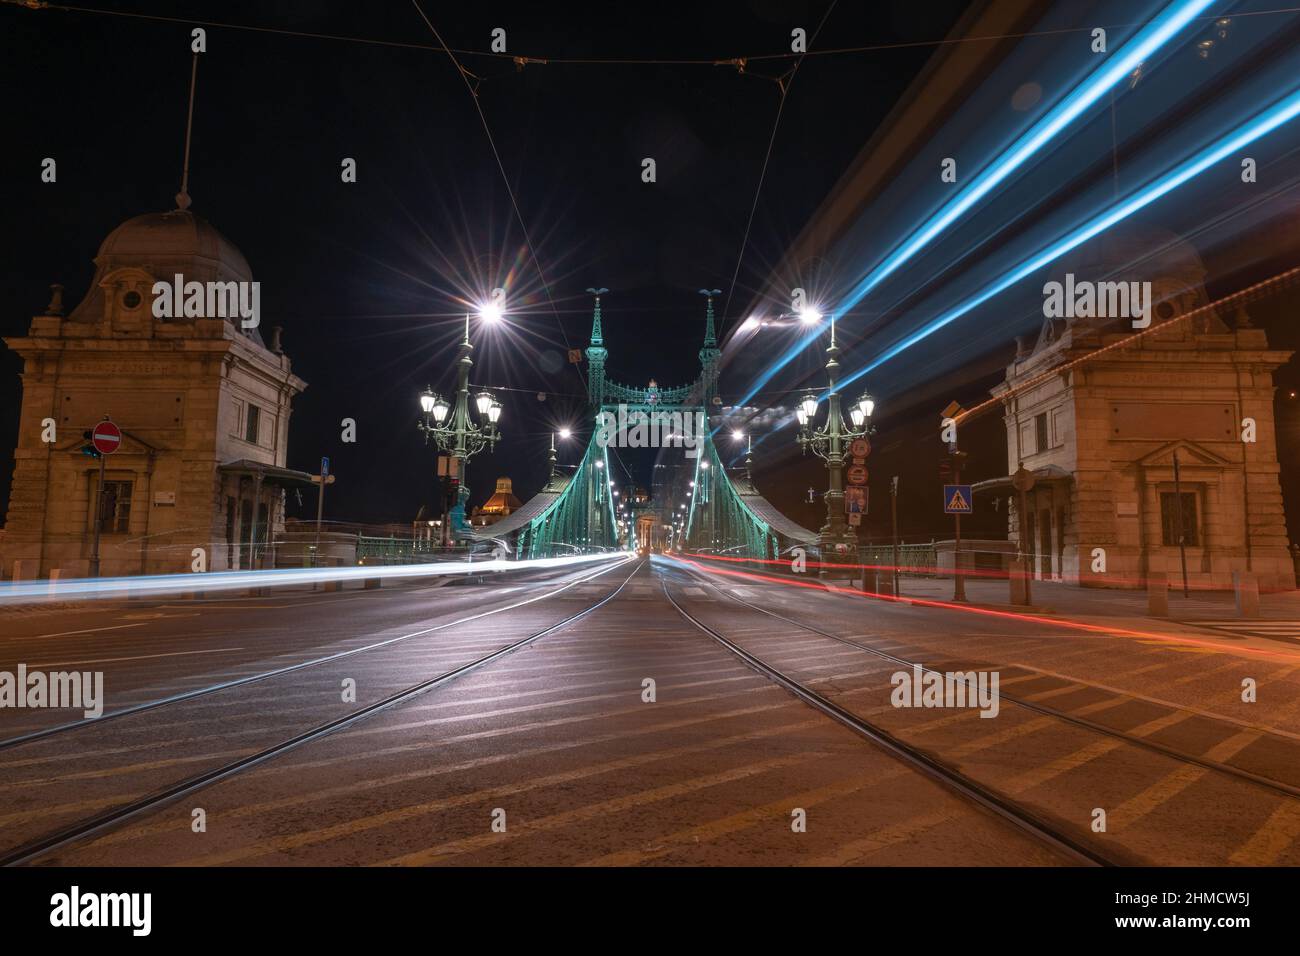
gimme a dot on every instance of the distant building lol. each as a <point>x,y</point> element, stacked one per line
<point>502,503</point>
<point>1101,436</point>
<point>203,405</point>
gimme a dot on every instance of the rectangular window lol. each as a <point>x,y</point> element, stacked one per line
<point>1040,432</point>
<point>116,507</point>
<point>251,424</point>
<point>1169,519</point>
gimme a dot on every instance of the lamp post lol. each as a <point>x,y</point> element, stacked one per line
<point>452,427</point>
<point>829,443</point>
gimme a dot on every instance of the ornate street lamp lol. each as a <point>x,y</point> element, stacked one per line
<point>453,429</point>
<point>836,538</point>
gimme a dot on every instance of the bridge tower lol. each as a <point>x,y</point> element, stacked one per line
<point>596,355</point>
<point>709,353</point>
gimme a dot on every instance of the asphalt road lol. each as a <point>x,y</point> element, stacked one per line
<point>604,726</point>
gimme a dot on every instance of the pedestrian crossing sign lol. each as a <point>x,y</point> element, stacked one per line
<point>956,499</point>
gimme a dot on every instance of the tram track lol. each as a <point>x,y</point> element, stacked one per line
<point>214,688</point>
<point>34,848</point>
<point>1239,786</point>
<point>914,757</point>
<point>1277,786</point>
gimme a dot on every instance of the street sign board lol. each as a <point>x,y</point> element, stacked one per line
<point>860,448</point>
<point>857,474</point>
<point>855,500</point>
<point>324,466</point>
<point>957,499</point>
<point>855,520</point>
<point>106,438</point>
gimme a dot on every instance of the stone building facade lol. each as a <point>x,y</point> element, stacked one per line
<point>203,405</point>
<point>1100,425</point>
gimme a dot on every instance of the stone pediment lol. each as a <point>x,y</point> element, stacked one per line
<point>71,442</point>
<point>1189,453</point>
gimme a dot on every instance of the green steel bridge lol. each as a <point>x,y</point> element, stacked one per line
<point>701,507</point>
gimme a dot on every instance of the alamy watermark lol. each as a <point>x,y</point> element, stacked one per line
<point>208,300</point>
<point>1098,300</point>
<point>81,690</point>
<point>922,688</point>
<point>655,429</point>
<point>76,909</point>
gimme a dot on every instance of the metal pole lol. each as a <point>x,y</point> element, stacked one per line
<point>836,531</point>
<point>446,512</point>
<point>958,582</point>
<point>1182,540</point>
<point>320,509</point>
<point>99,520</point>
<point>893,521</point>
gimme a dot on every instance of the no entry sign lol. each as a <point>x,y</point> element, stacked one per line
<point>106,438</point>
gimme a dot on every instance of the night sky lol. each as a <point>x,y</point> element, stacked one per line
<point>366,279</point>
<point>369,280</point>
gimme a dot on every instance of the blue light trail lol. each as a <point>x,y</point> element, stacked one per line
<point>1260,125</point>
<point>1162,28</point>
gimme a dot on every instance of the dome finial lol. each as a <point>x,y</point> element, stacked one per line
<point>183,197</point>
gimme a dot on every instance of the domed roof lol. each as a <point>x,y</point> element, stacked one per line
<point>161,239</point>
<point>1136,252</point>
<point>164,244</point>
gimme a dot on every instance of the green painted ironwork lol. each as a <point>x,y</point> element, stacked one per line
<point>718,519</point>
<point>578,513</point>
<point>581,518</point>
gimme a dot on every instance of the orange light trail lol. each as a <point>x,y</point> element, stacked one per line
<point>1007,615</point>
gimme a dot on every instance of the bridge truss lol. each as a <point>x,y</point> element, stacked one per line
<point>702,508</point>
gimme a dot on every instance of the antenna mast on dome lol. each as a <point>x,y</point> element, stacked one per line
<point>183,197</point>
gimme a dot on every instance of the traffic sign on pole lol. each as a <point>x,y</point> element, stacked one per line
<point>857,474</point>
<point>106,437</point>
<point>957,499</point>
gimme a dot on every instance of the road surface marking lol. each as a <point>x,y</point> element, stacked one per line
<point>884,837</point>
<point>129,768</point>
<point>349,828</point>
<point>254,809</point>
<point>89,630</point>
<point>1070,688</point>
<point>1045,772</point>
<point>776,812</point>
<point>604,808</point>
<point>140,657</point>
<point>1134,695</point>
<point>1216,671</point>
<point>1273,837</point>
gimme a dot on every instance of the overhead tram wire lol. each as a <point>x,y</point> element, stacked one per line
<point>521,60</point>
<point>785,82</point>
<point>487,130</point>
